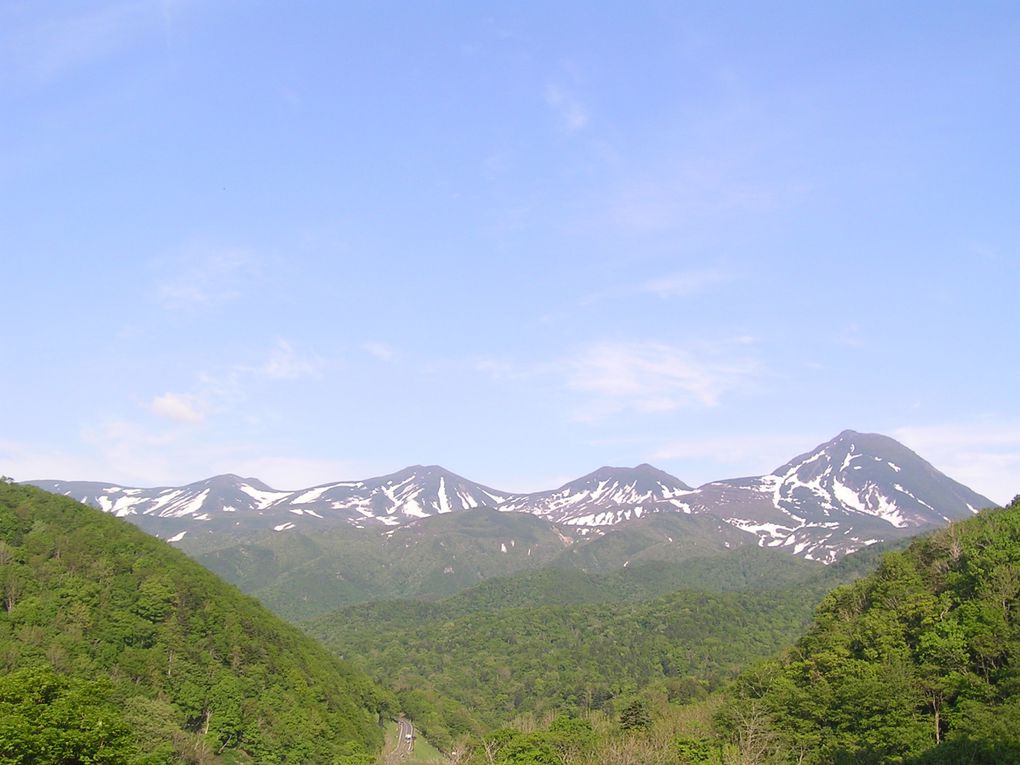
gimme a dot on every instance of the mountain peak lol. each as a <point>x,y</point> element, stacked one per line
<point>849,492</point>
<point>232,480</point>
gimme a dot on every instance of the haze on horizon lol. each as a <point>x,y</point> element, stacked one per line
<point>317,242</point>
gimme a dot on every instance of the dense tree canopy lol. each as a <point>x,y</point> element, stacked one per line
<point>116,646</point>
<point>918,662</point>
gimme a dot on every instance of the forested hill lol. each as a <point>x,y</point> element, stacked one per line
<point>562,640</point>
<point>116,648</point>
<point>918,662</point>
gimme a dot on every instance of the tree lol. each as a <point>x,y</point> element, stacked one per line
<point>635,716</point>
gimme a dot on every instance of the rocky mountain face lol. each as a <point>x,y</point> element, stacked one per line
<point>848,493</point>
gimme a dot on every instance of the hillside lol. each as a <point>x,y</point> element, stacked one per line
<point>565,640</point>
<point>918,662</point>
<point>302,575</point>
<point>116,648</point>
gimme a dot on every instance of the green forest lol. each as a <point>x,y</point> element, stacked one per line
<point>560,640</point>
<point>916,663</point>
<point>116,648</point>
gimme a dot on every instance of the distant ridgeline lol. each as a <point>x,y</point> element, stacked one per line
<point>848,493</point>
<point>917,663</point>
<point>116,648</point>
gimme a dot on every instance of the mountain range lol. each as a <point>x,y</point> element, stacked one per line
<point>850,492</point>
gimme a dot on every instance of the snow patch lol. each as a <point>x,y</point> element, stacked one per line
<point>311,495</point>
<point>263,498</point>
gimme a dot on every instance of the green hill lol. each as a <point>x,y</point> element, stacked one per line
<point>918,662</point>
<point>116,648</point>
<point>302,576</point>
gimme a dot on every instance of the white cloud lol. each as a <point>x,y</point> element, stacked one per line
<point>63,41</point>
<point>290,473</point>
<point>501,369</point>
<point>653,376</point>
<point>179,407</point>
<point>381,351</point>
<point>285,363</point>
<point>983,455</point>
<point>684,283</point>
<point>755,454</point>
<point>26,462</point>
<point>203,277</point>
<point>141,454</point>
<point>62,38</point>
<point>571,114</point>
<point>851,336</point>
<point>679,284</point>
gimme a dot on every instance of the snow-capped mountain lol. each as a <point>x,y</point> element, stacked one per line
<point>220,502</point>
<point>414,492</point>
<point>606,497</point>
<point>852,491</point>
<point>229,502</point>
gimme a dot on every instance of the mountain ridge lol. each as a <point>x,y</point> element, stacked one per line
<point>851,491</point>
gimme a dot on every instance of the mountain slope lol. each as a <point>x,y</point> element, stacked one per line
<point>187,665</point>
<point>918,662</point>
<point>855,490</point>
<point>299,575</point>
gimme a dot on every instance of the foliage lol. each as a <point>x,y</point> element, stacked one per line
<point>140,655</point>
<point>635,716</point>
<point>49,718</point>
<point>459,673</point>
<point>918,662</point>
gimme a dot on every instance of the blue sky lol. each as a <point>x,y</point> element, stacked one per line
<point>316,241</point>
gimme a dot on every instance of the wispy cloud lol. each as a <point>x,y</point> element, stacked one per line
<point>677,284</point>
<point>984,455</point>
<point>504,369</point>
<point>759,453</point>
<point>285,363</point>
<point>295,472</point>
<point>653,376</point>
<point>381,351</point>
<point>59,40</point>
<point>223,390</point>
<point>27,462</point>
<point>851,336</point>
<point>683,283</point>
<point>204,277</point>
<point>571,114</point>
<point>690,195</point>
<point>180,407</point>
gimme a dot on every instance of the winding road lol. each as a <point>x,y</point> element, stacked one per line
<point>405,743</point>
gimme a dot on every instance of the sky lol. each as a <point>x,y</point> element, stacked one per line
<point>309,242</point>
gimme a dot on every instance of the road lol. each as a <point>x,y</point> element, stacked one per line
<point>405,743</point>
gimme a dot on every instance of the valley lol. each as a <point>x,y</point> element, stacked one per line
<point>495,630</point>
